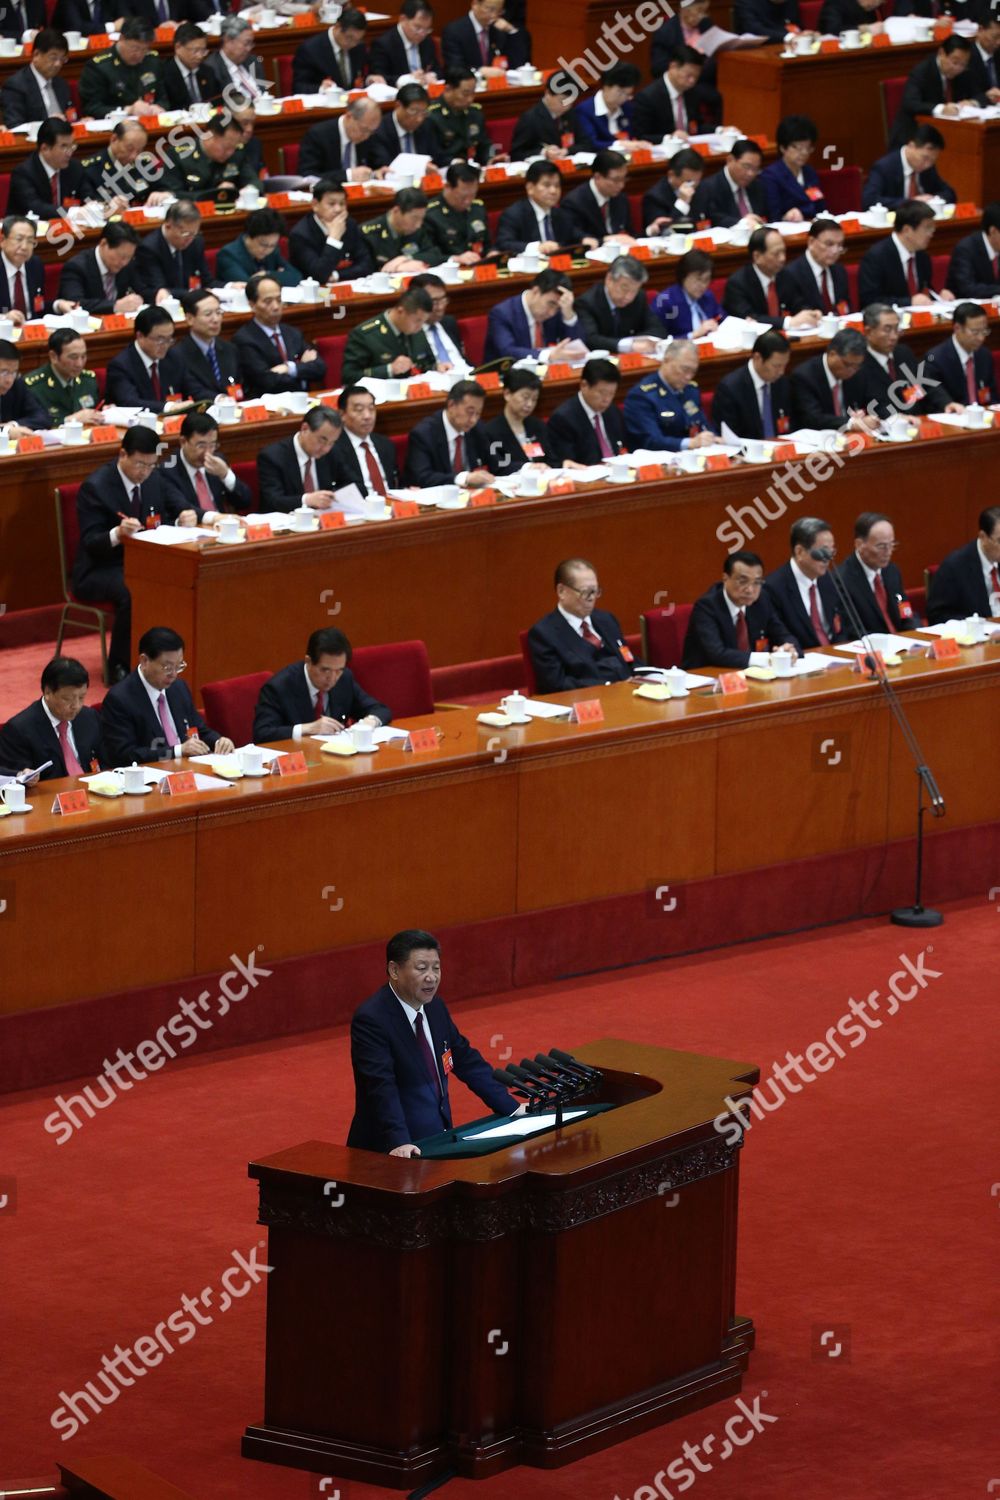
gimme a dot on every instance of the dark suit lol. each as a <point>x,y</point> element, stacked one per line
<point>596,129</point>
<point>678,317</point>
<point>798,290</point>
<point>199,375</point>
<point>238,498</point>
<point>309,252</point>
<point>944,364</point>
<point>587,217</point>
<point>28,739</point>
<point>427,453</point>
<point>172,88</point>
<point>220,75</point>
<point>13,23</point>
<point>31,188</point>
<point>846,15</point>
<point>387,56</point>
<point>159,268</point>
<point>886,183</point>
<point>320,153</point>
<point>395,1102</point>
<point>974,270</point>
<point>286,701</point>
<point>33,273</point>
<point>812,398</point>
<point>503,447</point>
<point>716,201</point>
<point>665,41</point>
<point>130,384</point>
<point>280,476</point>
<point>384,146</point>
<point>21,98</point>
<point>605,326</point>
<point>347,467</point>
<point>80,281</point>
<point>874,389</point>
<point>537,128</point>
<point>763,18</point>
<point>75,15</point>
<point>744,297</point>
<point>736,404</point>
<point>314,61</point>
<point>460,46</point>
<point>852,575</point>
<point>258,353</point>
<point>131,727</point>
<point>958,588</point>
<point>21,405</point>
<point>572,435</point>
<point>563,659</point>
<point>784,191</point>
<point>782,588</point>
<point>710,640</point>
<point>976,80</point>
<point>924,90</point>
<point>518,226</point>
<point>509,335</point>
<point>881,277</point>
<point>654,112</point>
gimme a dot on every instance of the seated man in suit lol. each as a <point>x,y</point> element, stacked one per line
<point>183,80</point>
<point>974,269</point>
<point>338,57</point>
<point>802,591</point>
<point>50,180</point>
<point>688,309</point>
<point>667,206</point>
<point>64,385</point>
<point>58,727</point>
<point>734,196</point>
<point>234,64</point>
<point>768,18</point>
<point>299,470</point>
<point>549,128</point>
<point>671,105</point>
<point>891,379</point>
<point>962,365</point>
<point>981,81</point>
<point>211,365</point>
<point>273,355</point>
<point>755,401</point>
<point>150,714</point>
<point>149,373</point>
<point>664,411</point>
<point>606,116</point>
<point>399,240</point>
<point>615,314</point>
<point>872,579</point>
<point>393,343</point>
<point>257,252</point>
<point>754,291</point>
<point>404,1046</point>
<point>898,269</point>
<point>791,184</point>
<point>933,87</point>
<point>517,437</point>
<point>589,427</point>
<point>408,50</point>
<point>171,260</point>
<point>201,476</point>
<point>817,279</point>
<point>22,274</point>
<point>819,399</point>
<point>104,280</point>
<point>686,27</point>
<point>441,331</point>
<point>457,220</point>
<point>361,456</point>
<point>85,16</point>
<point>966,583</point>
<point>318,695</point>
<point>37,93</point>
<point>576,645</point>
<point>735,624</point>
<point>21,412</point>
<point>599,210</point>
<point>404,130</point>
<point>539,322</point>
<point>327,244</point>
<point>340,147</point>
<point>908,172</point>
<point>852,15</point>
<point>120,498</point>
<point>485,41</point>
<point>537,218</point>
<point>447,448</point>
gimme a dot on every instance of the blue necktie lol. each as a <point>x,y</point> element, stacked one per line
<point>767,413</point>
<point>547,227</point>
<point>213,360</point>
<point>407,141</point>
<point>438,343</point>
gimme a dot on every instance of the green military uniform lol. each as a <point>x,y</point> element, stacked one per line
<point>373,345</point>
<point>63,399</point>
<point>119,179</point>
<point>385,244</point>
<point>196,175</point>
<point>457,231</point>
<point>459,133</point>
<point>107,83</point>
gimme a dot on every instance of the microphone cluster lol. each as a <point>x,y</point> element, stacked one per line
<point>550,1081</point>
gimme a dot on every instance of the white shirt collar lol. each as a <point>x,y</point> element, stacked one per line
<point>145,358</point>
<point>987,566</point>
<point>818,271</point>
<point>879,358</point>
<point>300,453</point>
<point>765,281</point>
<point>870,573</point>
<point>831,378</point>
<point>575,621</point>
<point>901,250</point>
<point>758,383</point>
<point>412,1012</point>
<point>154,694</point>
<point>601,200</point>
<point>734,609</point>
<point>963,354</point>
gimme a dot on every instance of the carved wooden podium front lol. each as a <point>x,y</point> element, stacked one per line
<point>524,1307</point>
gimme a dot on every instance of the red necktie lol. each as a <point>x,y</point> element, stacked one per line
<point>838,401</point>
<point>947,91</point>
<point>374,472</point>
<point>890,365</point>
<point>911,275</point>
<point>606,449</point>
<point>310,483</point>
<point>996,580</point>
<point>458,462</point>
<point>20,300</point>
<point>914,187</point>
<point>280,346</point>
<point>538,338</point>
<point>742,634</point>
<point>680,114</point>
<point>73,766</point>
<point>773,305</point>
<point>319,706</point>
<point>742,202</point>
<point>420,1032</point>
<point>882,600</point>
<point>815,616</point>
<point>484,46</point>
<point>55,188</point>
<point>970,379</point>
<point>590,634</point>
<point>202,490</point>
<point>154,376</point>
<point>996,268</point>
<point>827,292</point>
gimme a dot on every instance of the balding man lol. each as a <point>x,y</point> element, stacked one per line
<point>665,410</point>
<point>577,645</point>
<point>340,146</point>
<point>615,315</point>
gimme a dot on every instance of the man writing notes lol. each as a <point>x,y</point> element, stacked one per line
<point>57,727</point>
<point>318,695</point>
<point>576,645</point>
<point>151,714</point>
<point>404,1048</point>
<point>734,625</point>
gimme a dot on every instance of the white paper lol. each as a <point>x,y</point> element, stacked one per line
<point>535,708</point>
<point>959,629</point>
<point>815,661</point>
<point>151,777</point>
<point>173,536</point>
<point>210,783</point>
<point>350,500</point>
<point>888,645</point>
<point>525,1125</point>
<point>692,680</point>
<point>269,755</point>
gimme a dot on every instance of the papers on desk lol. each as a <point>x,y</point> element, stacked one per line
<point>211,783</point>
<point>151,775</point>
<point>575,353</point>
<point>815,661</point>
<point>214,761</point>
<point>173,536</point>
<point>973,630</point>
<point>888,645</point>
<point>443,496</point>
<point>536,709</point>
<point>526,1125</point>
<point>384,735</point>
<point>978,421</point>
<point>692,680</point>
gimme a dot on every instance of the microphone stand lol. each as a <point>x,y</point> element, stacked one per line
<point>916,915</point>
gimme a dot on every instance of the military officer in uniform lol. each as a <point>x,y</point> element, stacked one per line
<point>457,220</point>
<point>393,344</point>
<point>64,386</point>
<point>665,410</point>
<point>213,170</point>
<point>124,78</point>
<point>115,168</point>
<point>399,239</point>
<point>459,124</point>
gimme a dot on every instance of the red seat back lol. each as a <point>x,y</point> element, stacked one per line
<point>892,98</point>
<point>918,598</point>
<point>230,705</point>
<point>290,156</point>
<point>852,283</point>
<point>331,350</point>
<point>246,469</point>
<point>809,13</point>
<point>101,375</point>
<point>939,271</point>
<point>51,282</point>
<point>530,680</point>
<point>842,189</point>
<point>502,132</point>
<point>717,287</point>
<point>492,220</point>
<point>477,681</point>
<point>398,675</point>
<point>284,76</point>
<point>663,632</point>
<point>473,331</point>
<point>4,191</point>
<point>706,404</point>
<point>211,256</point>
<point>399,443</point>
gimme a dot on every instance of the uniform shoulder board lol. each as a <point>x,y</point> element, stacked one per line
<point>649,386</point>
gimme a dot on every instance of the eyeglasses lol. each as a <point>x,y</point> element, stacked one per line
<point>584,593</point>
<point>883,546</point>
<point>168,667</point>
<point>749,583</point>
<point>160,339</point>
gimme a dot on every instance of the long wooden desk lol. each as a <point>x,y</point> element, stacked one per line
<point>971,160</point>
<point>278,868</point>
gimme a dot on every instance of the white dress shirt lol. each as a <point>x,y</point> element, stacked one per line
<point>905,255</point>
<point>52,105</point>
<point>757,658</point>
<point>154,698</point>
<point>805,593</point>
<point>363,461</point>
<point>988,568</point>
<point>70,736</point>
<point>412,1012</point>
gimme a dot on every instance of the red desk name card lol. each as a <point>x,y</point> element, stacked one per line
<point>965,211</point>
<point>486,272</point>
<point>71,802</point>
<point>419,391</point>
<point>945,648</point>
<point>342,292</point>
<point>717,461</point>
<point>649,471</point>
<point>292,764</point>
<point>180,784</point>
<point>31,331</point>
<point>561,487</point>
<point>31,444</point>
<point>422,740</point>
<point>490,381</point>
<point>483,497</point>
<point>331,519</point>
<point>561,372</point>
<point>402,510</point>
<point>261,532</point>
<point>862,659</point>
<point>587,711</point>
<point>104,434</point>
<point>635,361</point>
<point>560,262</point>
<point>255,413</point>
<point>732,682</point>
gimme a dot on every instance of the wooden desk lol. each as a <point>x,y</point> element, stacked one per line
<point>651,543</point>
<point>840,91</point>
<point>972,156</point>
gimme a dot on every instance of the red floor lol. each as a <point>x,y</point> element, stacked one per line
<point>867,1212</point>
<point>21,671</point>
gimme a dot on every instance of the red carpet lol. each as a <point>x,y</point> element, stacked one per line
<point>866,1210</point>
<point>21,670</point>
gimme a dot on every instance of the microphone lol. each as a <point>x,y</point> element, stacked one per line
<point>526,1079</point>
<point>822,554</point>
<point>509,1081</point>
<point>556,1067</point>
<point>571,1062</point>
<point>552,1081</point>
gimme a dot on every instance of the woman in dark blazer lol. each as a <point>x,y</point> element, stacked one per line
<point>516,438</point>
<point>689,308</point>
<point>791,184</point>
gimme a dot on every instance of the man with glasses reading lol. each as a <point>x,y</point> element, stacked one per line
<point>872,579</point>
<point>734,625</point>
<point>576,645</point>
<point>148,373</point>
<point>150,715</point>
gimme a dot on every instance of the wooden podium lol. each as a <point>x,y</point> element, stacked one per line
<point>525,1307</point>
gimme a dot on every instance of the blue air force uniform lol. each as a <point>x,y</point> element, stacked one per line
<point>657,416</point>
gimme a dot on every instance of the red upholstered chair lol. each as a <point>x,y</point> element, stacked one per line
<point>635,209</point>
<point>717,286</point>
<point>852,282</point>
<point>473,331</point>
<point>477,681</point>
<point>928,575</point>
<point>74,94</point>
<point>493,219</point>
<point>246,469</point>
<point>398,675</point>
<point>230,704</point>
<point>706,404</point>
<point>4,191</point>
<point>290,157</point>
<point>211,256</point>
<point>842,189</point>
<point>996,365</point>
<point>51,283</point>
<point>939,271</point>
<point>101,375</point>
<point>918,598</point>
<point>892,98</point>
<point>502,132</point>
<point>285,76</point>
<point>530,680</point>
<point>77,611</point>
<point>399,443</point>
<point>331,350</point>
<point>663,632</point>
<point>809,13</point>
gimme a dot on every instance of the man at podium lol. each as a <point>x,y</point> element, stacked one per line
<point>404,1047</point>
